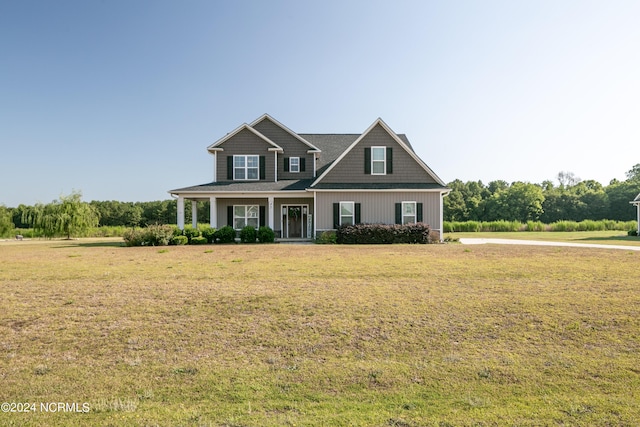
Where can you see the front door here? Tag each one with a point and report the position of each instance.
(294, 221)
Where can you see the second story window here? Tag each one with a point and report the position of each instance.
(378, 160)
(294, 164)
(246, 167)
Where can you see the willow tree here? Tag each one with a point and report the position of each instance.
(6, 223)
(68, 216)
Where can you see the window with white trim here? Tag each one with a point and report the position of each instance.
(409, 212)
(244, 215)
(246, 168)
(347, 213)
(294, 164)
(378, 160)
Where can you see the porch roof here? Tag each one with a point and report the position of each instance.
(380, 186)
(258, 186)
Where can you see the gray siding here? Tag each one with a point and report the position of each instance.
(245, 142)
(351, 167)
(222, 205)
(292, 148)
(377, 207)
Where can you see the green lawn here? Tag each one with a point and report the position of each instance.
(308, 335)
(598, 237)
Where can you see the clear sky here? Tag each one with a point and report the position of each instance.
(120, 98)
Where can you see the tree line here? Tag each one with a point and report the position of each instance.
(570, 199)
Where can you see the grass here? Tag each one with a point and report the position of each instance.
(367, 335)
(599, 237)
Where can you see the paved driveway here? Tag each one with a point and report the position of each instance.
(474, 241)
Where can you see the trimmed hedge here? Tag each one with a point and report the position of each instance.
(361, 234)
(209, 233)
(225, 234)
(179, 240)
(199, 240)
(248, 234)
(266, 235)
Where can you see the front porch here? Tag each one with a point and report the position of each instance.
(290, 216)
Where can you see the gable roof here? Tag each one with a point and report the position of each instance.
(395, 137)
(214, 146)
(286, 129)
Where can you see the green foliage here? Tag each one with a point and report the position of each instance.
(327, 237)
(198, 240)
(266, 235)
(511, 226)
(6, 223)
(248, 234)
(209, 233)
(632, 233)
(383, 234)
(190, 232)
(179, 240)
(225, 234)
(67, 216)
(153, 235)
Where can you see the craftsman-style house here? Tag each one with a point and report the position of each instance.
(301, 185)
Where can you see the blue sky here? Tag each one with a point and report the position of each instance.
(119, 99)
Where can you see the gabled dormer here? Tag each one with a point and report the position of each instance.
(298, 158)
(244, 155)
(378, 156)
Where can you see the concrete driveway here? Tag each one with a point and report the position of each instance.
(474, 241)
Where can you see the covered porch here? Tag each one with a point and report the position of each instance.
(289, 215)
(636, 203)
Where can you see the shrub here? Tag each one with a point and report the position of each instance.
(266, 235)
(225, 234)
(157, 235)
(383, 234)
(632, 233)
(179, 240)
(191, 232)
(176, 231)
(198, 240)
(153, 235)
(209, 233)
(133, 237)
(327, 237)
(248, 234)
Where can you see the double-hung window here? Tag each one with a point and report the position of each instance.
(409, 212)
(294, 164)
(378, 160)
(347, 213)
(246, 168)
(244, 215)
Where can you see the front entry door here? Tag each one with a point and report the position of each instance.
(294, 221)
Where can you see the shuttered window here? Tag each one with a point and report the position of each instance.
(408, 212)
(378, 160)
(246, 167)
(346, 213)
(244, 215)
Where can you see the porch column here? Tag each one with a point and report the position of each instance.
(638, 209)
(271, 219)
(194, 213)
(181, 212)
(213, 212)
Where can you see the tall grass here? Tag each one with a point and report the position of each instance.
(510, 226)
(104, 231)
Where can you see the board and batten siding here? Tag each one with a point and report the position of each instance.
(245, 143)
(377, 207)
(351, 168)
